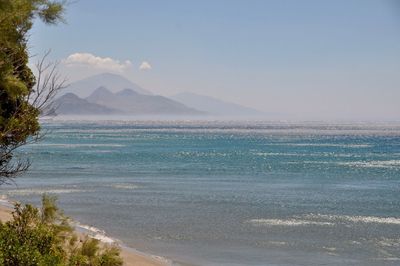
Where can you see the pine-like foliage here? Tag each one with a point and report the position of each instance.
(19, 115)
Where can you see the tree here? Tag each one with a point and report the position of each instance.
(22, 96)
(34, 237)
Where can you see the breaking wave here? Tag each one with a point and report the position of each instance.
(95, 233)
(288, 222)
(125, 186)
(373, 164)
(355, 219)
(324, 220)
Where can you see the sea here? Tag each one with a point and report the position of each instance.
(212, 192)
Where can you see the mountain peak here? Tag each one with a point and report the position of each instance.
(102, 90)
(113, 82)
(100, 94)
(126, 93)
(71, 104)
(69, 96)
(108, 74)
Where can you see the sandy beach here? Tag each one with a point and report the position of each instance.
(130, 257)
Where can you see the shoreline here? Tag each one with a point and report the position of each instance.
(130, 256)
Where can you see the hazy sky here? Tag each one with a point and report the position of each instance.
(315, 59)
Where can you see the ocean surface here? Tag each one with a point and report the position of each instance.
(227, 193)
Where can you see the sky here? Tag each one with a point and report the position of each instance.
(305, 59)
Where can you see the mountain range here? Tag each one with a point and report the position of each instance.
(84, 87)
(126, 102)
(132, 102)
(71, 104)
(111, 94)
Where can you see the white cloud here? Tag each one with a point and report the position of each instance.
(145, 66)
(90, 60)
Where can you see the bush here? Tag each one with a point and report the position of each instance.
(44, 237)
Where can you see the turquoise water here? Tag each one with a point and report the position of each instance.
(228, 193)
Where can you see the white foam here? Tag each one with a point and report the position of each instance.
(389, 242)
(278, 154)
(373, 164)
(355, 219)
(319, 154)
(322, 145)
(287, 222)
(277, 243)
(103, 238)
(95, 233)
(388, 259)
(125, 186)
(324, 220)
(331, 249)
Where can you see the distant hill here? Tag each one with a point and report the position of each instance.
(132, 102)
(110, 93)
(71, 104)
(113, 82)
(214, 106)
(100, 96)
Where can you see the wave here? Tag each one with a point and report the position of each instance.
(311, 154)
(125, 186)
(288, 222)
(324, 220)
(355, 219)
(389, 242)
(372, 164)
(95, 233)
(262, 154)
(101, 235)
(322, 145)
(203, 154)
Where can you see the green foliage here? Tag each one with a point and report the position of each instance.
(44, 238)
(33, 237)
(19, 116)
(110, 257)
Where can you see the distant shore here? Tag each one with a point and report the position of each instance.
(130, 256)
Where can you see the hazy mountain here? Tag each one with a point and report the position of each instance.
(100, 96)
(131, 102)
(113, 82)
(214, 106)
(71, 104)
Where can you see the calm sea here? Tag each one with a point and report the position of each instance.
(227, 193)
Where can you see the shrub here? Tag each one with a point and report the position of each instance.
(44, 237)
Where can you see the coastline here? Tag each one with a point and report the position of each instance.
(131, 256)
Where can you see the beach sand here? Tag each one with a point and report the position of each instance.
(5, 213)
(130, 257)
